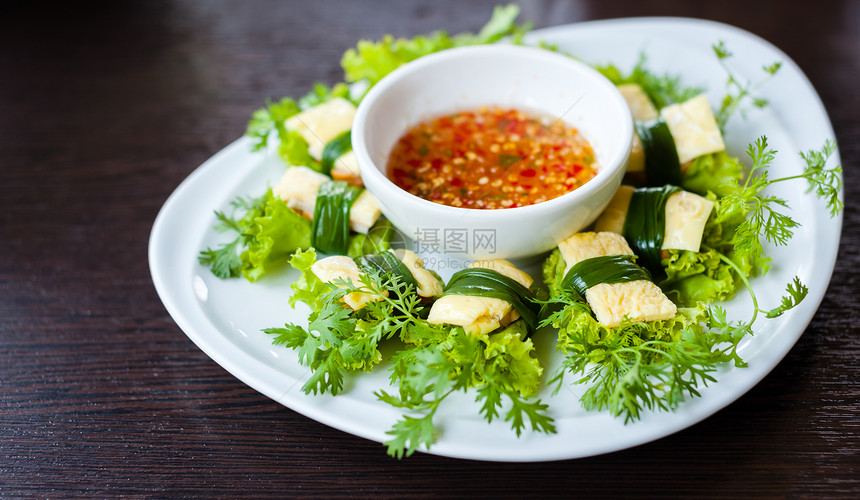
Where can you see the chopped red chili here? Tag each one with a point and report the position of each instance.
(486, 152)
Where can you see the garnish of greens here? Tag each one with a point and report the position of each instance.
(436, 360)
(626, 370)
(737, 91)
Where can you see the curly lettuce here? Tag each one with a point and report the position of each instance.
(272, 237)
(371, 61)
(267, 232)
(712, 173)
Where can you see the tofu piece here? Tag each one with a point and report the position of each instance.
(582, 246)
(479, 315)
(694, 128)
(364, 212)
(612, 303)
(613, 217)
(641, 108)
(636, 162)
(636, 300)
(428, 284)
(322, 123)
(336, 267)
(345, 166)
(640, 105)
(299, 186)
(686, 215)
(505, 267)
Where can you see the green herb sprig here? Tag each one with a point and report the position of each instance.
(737, 91)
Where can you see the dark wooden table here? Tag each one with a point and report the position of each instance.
(106, 107)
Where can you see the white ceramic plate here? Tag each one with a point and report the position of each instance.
(224, 318)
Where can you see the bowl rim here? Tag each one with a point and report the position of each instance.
(378, 179)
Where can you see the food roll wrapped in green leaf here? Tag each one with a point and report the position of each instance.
(335, 207)
(355, 305)
(490, 294)
(616, 290)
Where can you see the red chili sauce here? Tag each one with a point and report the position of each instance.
(491, 158)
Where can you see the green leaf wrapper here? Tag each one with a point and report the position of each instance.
(645, 225)
(605, 269)
(661, 157)
(335, 148)
(489, 283)
(330, 230)
(387, 264)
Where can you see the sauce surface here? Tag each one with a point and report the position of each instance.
(491, 158)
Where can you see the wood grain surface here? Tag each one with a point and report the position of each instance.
(105, 107)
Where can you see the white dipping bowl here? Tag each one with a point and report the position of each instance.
(507, 76)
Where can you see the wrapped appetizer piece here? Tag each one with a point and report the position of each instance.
(656, 220)
(680, 238)
(326, 129)
(621, 335)
(313, 131)
(355, 304)
(667, 140)
(305, 209)
(335, 207)
(476, 337)
(488, 295)
(600, 267)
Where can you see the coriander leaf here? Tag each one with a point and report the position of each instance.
(760, 213)
(795, 293)
(409, 434)
(721, 50)
(662, 89)
(639, 366)
(334, 322)
(291, 336)
(534, 411)
(227, 223)
(737, 92)
(491, 395)
(223, 261)
(827, 183)
(326, 375)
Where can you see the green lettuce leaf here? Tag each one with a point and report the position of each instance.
(371, 61)
(272, 237)
(268, 119)
(553, 271)
(694, 277)
(321, 94)
(511, 355)
(293, 149)
(308, 288)
(713, 172)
